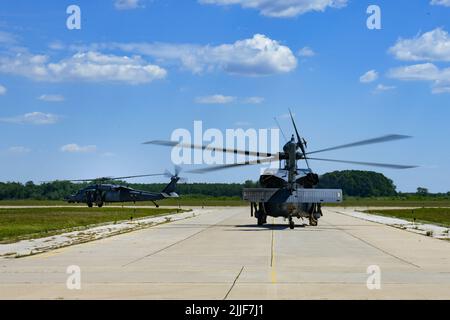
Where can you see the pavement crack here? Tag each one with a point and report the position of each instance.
(373, 246)
(234, 282)
(175, 243)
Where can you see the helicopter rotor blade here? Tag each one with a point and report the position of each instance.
(386, 138)
(212, 148)
(116, 178)
(234, 165)
(371, 164)
(138, 176)
(299, 139)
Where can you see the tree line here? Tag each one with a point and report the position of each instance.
(353, 183)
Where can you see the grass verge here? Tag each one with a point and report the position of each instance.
(438, 216)
(182, 201)
(19, 224)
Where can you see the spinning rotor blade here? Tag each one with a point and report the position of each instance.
(372, 164)
(169, 174)
(117, 178)
(234, 165)
(88, 180)
(212, 148)
(299, 139)
(390, 137)
(139, 176)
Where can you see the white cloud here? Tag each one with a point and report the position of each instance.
(253, 100)
(87, 66)
(421, 72)
(306, 52)
(7, 38)
(127, 4)
(222, 99)
(51, 98)
(382, 87)
(440, 78)
(445, 3)
(441, 88)
(281, 8)
(430, 46)
(215, 99)
(369, 76)
(256, 56)
(2, 90)
(108, 154)
(35, 118)
(75, 148)
(18, 150)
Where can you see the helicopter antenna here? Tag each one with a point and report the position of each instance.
(279, 127)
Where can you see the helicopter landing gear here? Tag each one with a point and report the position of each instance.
(260, 213)
(100, 204)
(313, 221)
(90, 204)
(291, 223)
(262, 218)
(315, 214)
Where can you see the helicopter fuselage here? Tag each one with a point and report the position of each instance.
(278, 198)
(100, 194)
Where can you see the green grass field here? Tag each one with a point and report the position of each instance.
(17, 224)
(392, 202)
(439, 216)
(182, 201)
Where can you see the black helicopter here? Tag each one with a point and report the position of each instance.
(101, 192)
(289, 191)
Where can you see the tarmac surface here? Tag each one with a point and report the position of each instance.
(222, 254)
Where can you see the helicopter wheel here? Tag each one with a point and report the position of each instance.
(313, 221)
(291, 223)
(260, 221)
(90, 204)
(100, 204)
(261, 218)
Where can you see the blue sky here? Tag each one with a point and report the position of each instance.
(79, 103)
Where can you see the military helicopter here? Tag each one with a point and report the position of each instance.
(101, 192)
(289, 191)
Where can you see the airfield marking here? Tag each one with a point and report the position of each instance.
(178, 242)
(373, 246)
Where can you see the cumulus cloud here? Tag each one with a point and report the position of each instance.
(75, 148)
(51, 98)
(253, 100)
(255, 56)
(35, 118)
(382, 87)
(7, 38)
(215, 99)
(18, 150)
(222, 99)
(445, 3)
(369, 76)
(127, 4)
(85, 66)
(2, 90)
(440, 78)
(430, 46)
(306, 52)
(281, 8)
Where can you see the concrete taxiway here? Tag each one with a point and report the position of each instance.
(221, 254)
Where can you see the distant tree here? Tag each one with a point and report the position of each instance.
(359, 183)
(422, 191)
